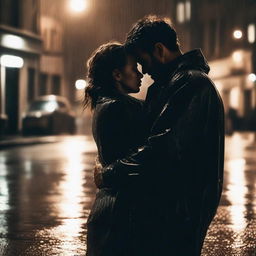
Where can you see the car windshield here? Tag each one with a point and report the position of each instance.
(43, 105)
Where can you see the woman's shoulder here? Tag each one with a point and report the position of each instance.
(107, 107)
(121, 102)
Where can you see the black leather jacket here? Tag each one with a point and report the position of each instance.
(118, 124)
(181, 163)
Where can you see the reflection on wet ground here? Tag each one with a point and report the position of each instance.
(46, 192)
(45, 198)
(233, 231)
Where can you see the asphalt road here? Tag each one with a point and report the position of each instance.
(46, 191)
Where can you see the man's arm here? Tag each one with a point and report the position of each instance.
(178, 129)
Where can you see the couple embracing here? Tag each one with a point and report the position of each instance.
(160, 169)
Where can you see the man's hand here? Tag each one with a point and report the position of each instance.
(98, 174)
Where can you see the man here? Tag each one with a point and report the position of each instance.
(180, 166)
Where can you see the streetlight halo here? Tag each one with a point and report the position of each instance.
(78, 5)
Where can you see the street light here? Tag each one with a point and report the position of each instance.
(238, 34)
(80, 84)
(78, 5)
(252, 77)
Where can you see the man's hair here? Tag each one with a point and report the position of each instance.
(149, 31)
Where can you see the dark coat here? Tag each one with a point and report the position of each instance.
(117, 128)
(181, 164)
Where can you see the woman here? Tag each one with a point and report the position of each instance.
(117, 128)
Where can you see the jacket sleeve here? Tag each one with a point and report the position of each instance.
(113, 133)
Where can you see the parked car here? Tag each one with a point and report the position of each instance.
(49, 114)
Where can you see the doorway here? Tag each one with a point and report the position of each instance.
(12, 99)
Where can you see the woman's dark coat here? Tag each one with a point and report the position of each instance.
(117, 129)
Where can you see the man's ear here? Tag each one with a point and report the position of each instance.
(116, 75)
(159, 52)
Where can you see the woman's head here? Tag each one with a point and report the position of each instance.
(110, 71)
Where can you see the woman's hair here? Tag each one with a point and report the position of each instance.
(101, 65)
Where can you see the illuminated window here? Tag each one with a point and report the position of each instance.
(180, 12)
(251, 33)
(188, 10)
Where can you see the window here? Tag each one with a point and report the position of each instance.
(56, 85)
(188, 10)
(31, 84)
(251, 33)
(43, 84)
(180, 12)
(183, 11)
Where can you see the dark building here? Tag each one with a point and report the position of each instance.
(31, 51)
(226, 32)
(20, 49)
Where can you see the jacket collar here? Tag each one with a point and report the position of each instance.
(194, 60)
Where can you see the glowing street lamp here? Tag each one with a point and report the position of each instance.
(78, 5)
(237, 34)
(252, 77)
(80, 84)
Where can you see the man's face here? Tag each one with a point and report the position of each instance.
(150, 64)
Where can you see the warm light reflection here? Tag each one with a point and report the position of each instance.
(236, 193)
(4, 195)
(71, 201)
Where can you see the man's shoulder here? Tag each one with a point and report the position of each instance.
(189, 75)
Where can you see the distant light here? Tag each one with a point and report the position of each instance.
(251, 33)
(78, 5)
(237, 56)
(52, 97)
(252, 77)
(38, 114)
(12, 41)
(11, 61)
(180, 12)
(234, 97)
(80, 84)
(188, 9)
(51, 106)
(238, 34)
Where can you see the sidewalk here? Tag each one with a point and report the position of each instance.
(13, 141)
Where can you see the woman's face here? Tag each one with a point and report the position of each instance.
(129, 77)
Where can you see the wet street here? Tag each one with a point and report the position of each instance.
(46, 191)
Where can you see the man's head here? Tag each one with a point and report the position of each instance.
(154, 42)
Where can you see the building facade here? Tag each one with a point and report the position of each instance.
(20, 50)
(226, 32)
(31, 51)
